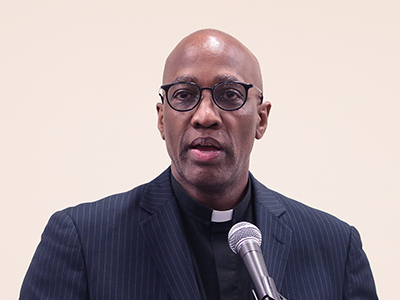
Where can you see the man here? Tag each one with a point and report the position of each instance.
(168, 239)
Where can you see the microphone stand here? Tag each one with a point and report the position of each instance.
(273, 293)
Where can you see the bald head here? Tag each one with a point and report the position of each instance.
(209, 46)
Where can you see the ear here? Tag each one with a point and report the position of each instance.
(263, 113)
(160, 123)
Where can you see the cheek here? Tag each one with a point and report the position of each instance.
(169, 129)
(170, 121)
(247, 124)
(245, 133)
(174, 129)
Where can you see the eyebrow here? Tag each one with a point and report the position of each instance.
(186, 78)
(217, 79)
(225, 77)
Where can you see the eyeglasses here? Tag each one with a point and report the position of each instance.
(228, 95)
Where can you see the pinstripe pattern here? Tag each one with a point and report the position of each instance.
(325, 261)
(132, 246)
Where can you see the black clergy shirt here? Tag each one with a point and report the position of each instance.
(220, 274)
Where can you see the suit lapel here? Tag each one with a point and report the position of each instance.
(163, 233)
(276, 235)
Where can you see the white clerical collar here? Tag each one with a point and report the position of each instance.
(219, 216)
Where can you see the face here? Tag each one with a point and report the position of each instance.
(210, 148)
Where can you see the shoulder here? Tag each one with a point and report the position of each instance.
(118, 207)
(111, 205)
(301, 218)
(316, 226)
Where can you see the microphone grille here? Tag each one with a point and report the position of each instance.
(241, 232)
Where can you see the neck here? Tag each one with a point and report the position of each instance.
(218, 197)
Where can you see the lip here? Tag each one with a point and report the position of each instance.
(205, 142)
(205, 149)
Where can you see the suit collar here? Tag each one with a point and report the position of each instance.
(267, 198)
(157, 193)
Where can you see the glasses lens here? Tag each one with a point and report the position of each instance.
(230, 95)
(183, 96)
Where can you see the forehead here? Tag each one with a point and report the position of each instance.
(209, 60)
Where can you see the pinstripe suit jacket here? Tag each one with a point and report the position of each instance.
(132, 246)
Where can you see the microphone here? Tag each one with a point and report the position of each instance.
(245, 240)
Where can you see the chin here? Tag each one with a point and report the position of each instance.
(208, 179)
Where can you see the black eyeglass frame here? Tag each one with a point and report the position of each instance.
(246, 86)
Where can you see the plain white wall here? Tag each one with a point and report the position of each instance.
(79, 83)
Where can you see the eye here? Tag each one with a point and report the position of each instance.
(183, 95)
(183, 92)
(231, 94)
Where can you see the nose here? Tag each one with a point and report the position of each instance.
(206, 114)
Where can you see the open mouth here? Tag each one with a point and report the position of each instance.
(205, 144)
(205, 149)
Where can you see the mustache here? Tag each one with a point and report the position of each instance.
(205, 142)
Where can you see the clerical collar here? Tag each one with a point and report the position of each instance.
(202, 213)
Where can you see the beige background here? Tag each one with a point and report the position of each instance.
(79, 83)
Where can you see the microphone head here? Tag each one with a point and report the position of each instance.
(242, 232)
